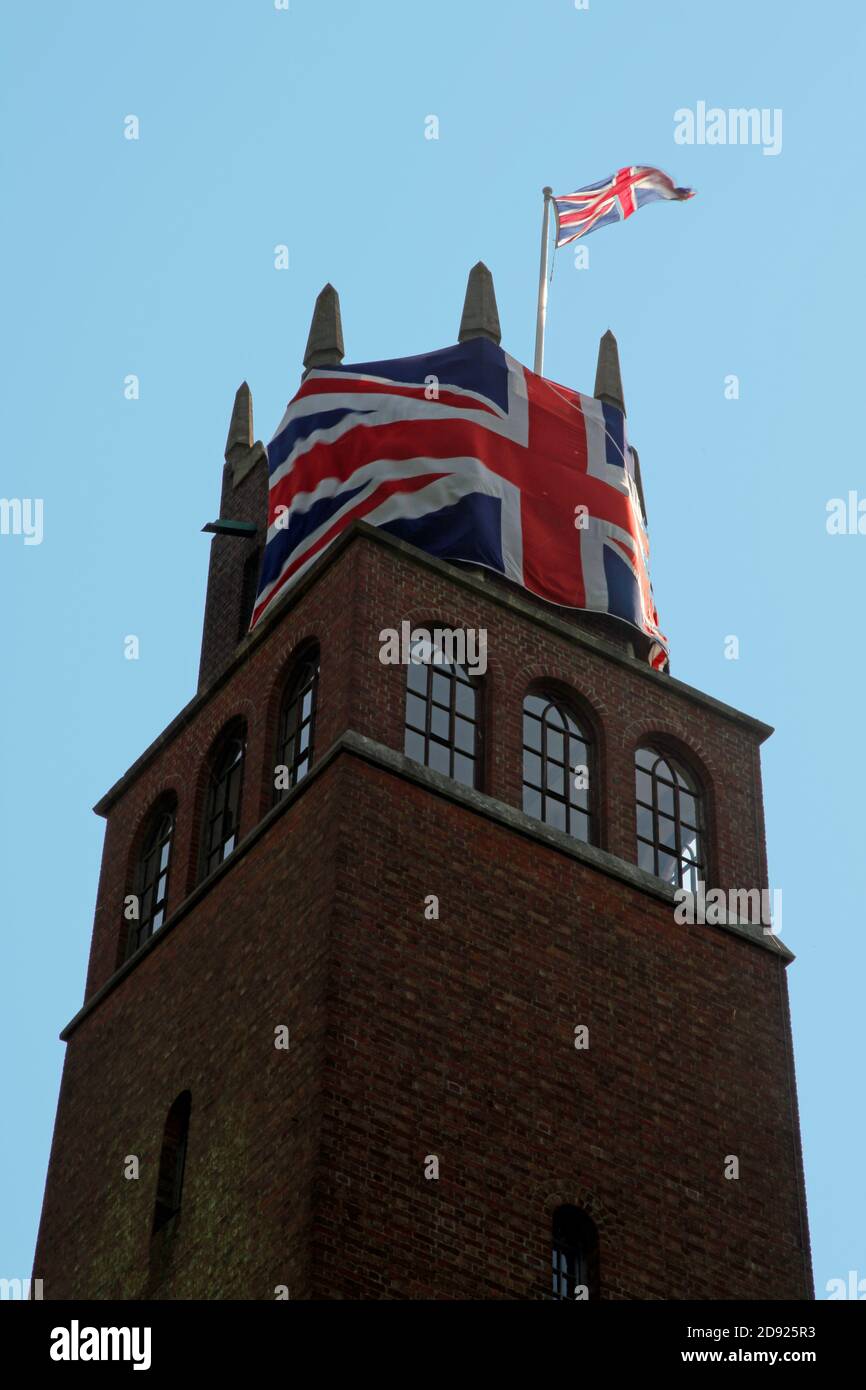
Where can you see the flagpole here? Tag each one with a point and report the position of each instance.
(542, 284)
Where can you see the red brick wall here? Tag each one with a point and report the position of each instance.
(248, 501)
(456, 1038)
(452, 1038)
(181, 764)
(628, 707)
(199, 1013)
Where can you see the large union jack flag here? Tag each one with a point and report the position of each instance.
(612, 200)
(469, 456)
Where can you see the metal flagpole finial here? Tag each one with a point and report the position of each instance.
(548, 194)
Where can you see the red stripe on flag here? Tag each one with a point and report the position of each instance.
(360, 509)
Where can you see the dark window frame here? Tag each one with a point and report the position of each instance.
(574, 1253)
(579, 806)
(441, 725)
(303, 681)
(223, 800)
(668, 800)
(151, 871)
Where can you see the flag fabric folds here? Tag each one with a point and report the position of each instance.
(612, 200)
(469, 456)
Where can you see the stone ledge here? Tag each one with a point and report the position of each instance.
(389, 760)
(523, 824)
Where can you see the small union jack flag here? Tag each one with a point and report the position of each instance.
(612, 200)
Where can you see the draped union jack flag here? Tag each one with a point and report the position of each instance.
(469, 456)
(612, 200)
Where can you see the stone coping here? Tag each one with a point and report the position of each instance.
(377, 754)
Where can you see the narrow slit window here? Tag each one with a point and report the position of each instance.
(172, 1162)
(249, 589)
(574, 1255)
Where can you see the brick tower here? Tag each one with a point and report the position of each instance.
(377, 1006)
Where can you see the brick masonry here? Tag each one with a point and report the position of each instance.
(233, 568)
(413, 1037)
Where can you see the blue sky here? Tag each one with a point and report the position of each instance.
(261, 127)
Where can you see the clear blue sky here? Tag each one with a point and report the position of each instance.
(156, 257)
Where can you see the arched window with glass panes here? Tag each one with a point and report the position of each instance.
(575, 1254)
(442, 714)
(296, 726)
(670, 820)
(558, 756)
(152, 874)
(223, 805)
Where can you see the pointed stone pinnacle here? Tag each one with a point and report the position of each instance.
(608, 381)
(480, 314)
(325, 343)
(240, 436)
(242, 453)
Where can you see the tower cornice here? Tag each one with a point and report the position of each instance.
(520, 603)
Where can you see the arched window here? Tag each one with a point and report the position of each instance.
(669, 820)
(441, 714)
(297, 725)
(152, 875)
(223, 809)
(557, 757)
(575, 1254)
(172, 1160)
